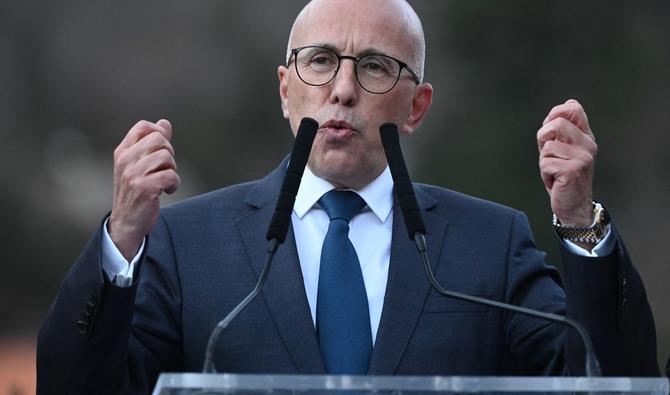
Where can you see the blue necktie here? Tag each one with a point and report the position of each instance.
(342, 315)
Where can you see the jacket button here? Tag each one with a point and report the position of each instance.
(83, 326)
(88, 312)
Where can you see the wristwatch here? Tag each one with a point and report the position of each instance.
(592, 234)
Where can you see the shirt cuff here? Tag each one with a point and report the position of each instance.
(115, 266)
(603, 248)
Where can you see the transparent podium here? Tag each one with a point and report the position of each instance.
(267, 384)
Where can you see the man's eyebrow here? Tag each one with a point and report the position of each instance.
(329, 46)
(371, 51)
(363, 52)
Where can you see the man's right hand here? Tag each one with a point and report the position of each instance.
(144, 168)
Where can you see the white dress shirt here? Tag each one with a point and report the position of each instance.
(370, 233)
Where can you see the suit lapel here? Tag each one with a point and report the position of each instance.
(407, 287)
(284, 291)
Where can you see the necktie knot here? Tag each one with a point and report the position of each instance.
(341, 204)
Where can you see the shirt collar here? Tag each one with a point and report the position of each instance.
(378, 194)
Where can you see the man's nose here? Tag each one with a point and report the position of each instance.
(345, 86)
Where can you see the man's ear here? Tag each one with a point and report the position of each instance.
(283, 74)
(421, 101)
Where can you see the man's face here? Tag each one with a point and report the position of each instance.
(347, 150)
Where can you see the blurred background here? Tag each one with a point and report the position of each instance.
(76, 75)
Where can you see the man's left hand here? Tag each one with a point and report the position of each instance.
(568, 151)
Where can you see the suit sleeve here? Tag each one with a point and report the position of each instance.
(536, 346)
(103, 339)
(607, 296)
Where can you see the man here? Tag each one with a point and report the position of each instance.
(134, 305)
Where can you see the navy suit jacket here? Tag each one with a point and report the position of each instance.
(205, 255)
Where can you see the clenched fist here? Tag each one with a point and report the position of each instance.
(568, 152)
(144, 168)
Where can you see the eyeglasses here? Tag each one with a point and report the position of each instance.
(375, 73)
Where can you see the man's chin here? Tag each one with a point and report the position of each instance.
(343, 171)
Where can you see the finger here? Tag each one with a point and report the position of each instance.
(547, 176)
(167, 128)
(567, 170)
(138, 177)
(560, 150)
(137, 132)
(547, 180)
(559, 129)
(556, 149)
(573, 111)
(550, 168)
(150, 143)
(153, 142)
(167, 181)
(155, 162)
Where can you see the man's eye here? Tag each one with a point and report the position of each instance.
(321, 60)
(373, 67)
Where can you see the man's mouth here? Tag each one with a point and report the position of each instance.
(337, 130)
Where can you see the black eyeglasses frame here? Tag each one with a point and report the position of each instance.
(403, 65)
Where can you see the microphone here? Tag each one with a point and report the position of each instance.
(277, 229)
(296, 166)
(401, 181)
(416, 230)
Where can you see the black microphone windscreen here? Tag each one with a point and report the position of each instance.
(388, 133)
(391, 142)
(302, 146)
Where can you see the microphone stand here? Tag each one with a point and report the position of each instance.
(209, 366)
(417, 230)
(592, 366)
(277, 229)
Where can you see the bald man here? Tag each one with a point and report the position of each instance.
(151, 284)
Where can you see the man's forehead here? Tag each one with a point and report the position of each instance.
(357, 37)
(386, 9)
